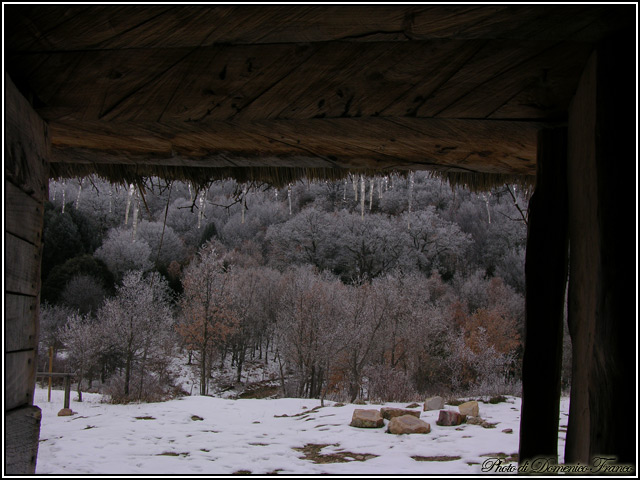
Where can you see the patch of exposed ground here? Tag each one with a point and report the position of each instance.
(174, 454)
(438, 458)
(312, 452)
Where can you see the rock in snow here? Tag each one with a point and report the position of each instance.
(449, 418)
(366, 419)
(475, 420)
(434, 403)
(407, 424)
(391, 412)
(470, 409)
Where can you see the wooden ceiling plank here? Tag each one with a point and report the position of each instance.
(39, 28)
(435, 68)
(372, 143)
(352, 86)
(544, 75)
(238, 77)
(254, 82)
(493, 59)
(39, 23)
(286, 89)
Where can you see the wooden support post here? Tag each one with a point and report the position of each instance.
(50, 370)
(67, 390)
(546, 277)
(602, 166)
(27, 150)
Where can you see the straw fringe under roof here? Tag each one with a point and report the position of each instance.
(277, 177)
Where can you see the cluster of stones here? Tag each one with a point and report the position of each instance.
(403, 421)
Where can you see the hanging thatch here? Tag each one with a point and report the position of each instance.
(276, 177)
(482, 182)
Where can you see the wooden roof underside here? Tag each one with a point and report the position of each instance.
(456, 88)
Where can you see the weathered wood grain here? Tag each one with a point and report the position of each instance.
(23, 214)
(470, 145)
(26, 145)
(22, 434)
(543, 85)
(20, 322)
(57, 27)
(22, 266)
(449, 78)
(20, 380)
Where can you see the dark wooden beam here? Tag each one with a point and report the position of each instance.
(77, 27)
(602, 214)
(472, 79)
(375, 143)
(545, 277)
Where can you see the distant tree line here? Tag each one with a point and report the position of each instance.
(413, 287)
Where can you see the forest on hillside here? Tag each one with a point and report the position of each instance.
(377, 288)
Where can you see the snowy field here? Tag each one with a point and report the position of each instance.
(205, 435)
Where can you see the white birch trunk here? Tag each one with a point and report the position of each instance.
(64, 195)
(371, 186)
(411, 182)
(78, 197)
(201, 205)
(126, 212)
(486, 201)
(289, 196)
(355, 188)
(362, 195)
(244, 203)
(136, 208)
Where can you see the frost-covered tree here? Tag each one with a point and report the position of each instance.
(133, 322)
(165, 245)
(52, 319)
(120, 254)
(304, 239)
(83, 343)
(433, 243)
(83, 293)
(207, 318)
(308, 330)
(363, 248)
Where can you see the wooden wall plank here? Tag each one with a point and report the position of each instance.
(26, 146)
(22, 434)
(22, 266)
(20, 379)
(20, 322)
(27, 150)
(23, 214)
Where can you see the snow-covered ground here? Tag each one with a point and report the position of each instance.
(206, 435)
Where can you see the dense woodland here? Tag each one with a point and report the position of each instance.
(384, 288)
